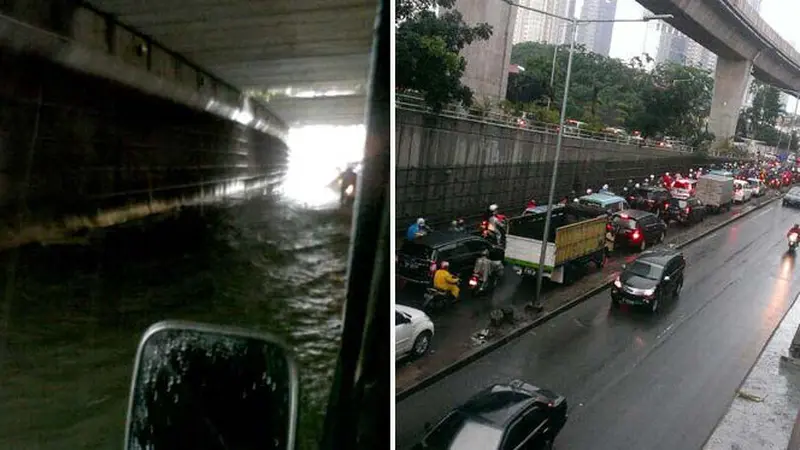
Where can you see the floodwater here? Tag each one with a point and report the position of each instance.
(73, 312)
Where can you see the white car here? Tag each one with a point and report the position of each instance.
(741, 191)
(758, 186)
(413, 331)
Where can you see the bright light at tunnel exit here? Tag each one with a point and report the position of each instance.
(317, 155)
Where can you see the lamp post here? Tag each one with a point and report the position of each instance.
(573, 32)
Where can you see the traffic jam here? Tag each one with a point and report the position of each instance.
(437, 267)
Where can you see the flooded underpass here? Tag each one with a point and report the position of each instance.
(73, 312)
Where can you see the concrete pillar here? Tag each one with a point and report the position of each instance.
(730, 84)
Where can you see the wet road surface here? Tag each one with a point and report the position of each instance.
(73, 314)
(635, 381)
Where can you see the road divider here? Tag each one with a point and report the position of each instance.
(492, 345)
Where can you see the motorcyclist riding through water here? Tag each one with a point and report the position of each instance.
(443, 280)
(347, 188)
(793, 236)
(417, 229)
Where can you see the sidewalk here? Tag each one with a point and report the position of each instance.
(763, 412)
(464, 328)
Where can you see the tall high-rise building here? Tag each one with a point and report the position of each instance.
(533, 26)
(677, 47)
(597, 36)
(530, 25)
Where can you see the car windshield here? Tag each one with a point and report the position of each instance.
(625, 222)
(416, 250)
(459, 432)
(645, 269)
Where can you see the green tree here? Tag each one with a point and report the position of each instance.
(763, 114)
(427, 47)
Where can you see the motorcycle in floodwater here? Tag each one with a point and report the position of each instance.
(793, 237)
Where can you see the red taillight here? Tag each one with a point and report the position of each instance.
(688, 210)
(636, 235)
(666, 205)
(473, 281)
(608, 227)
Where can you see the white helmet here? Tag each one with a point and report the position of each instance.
(652, 176)
(667, 174)
(493, 207)
(588, 192)
(605, 187)
(637, 186)
(420, 221)
(445, 264)
(575, 200)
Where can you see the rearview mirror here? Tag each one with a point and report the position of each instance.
(204, 386)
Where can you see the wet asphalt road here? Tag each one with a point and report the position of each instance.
(636, 381)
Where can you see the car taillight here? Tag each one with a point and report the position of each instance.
(636, 235)
(618, 283)
(688, 210)
(473, 281)
(609, 227)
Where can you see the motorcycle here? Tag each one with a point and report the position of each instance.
(436, 299)
(793, 241)
(349, 195)
(478, 286)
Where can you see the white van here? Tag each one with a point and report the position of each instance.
(741, 191)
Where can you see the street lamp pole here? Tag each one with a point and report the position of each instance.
(559, 140)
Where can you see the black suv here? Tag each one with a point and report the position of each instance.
(649, 198)
(654, 277)
(685, 211)
(509, 416)
(636, 229)
(417, 260)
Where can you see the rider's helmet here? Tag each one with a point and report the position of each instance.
(637, 186)
(493, 207)
(605, 187)
(445, 265)
(420, 221)
(667, 174)
(588, 192)
(460, 222)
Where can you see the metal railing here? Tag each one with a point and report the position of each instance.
(416, 103)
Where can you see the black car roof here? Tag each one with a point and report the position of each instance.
(440, 238)
(500, 404)
(633, 213)
(659, 256)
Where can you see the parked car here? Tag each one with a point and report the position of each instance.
(685, 211)
(413, 331)
(742, 191)
(417, 260)
(656, 276)
(637, 229)
(516, 415)
(792, 198)
(649, 198)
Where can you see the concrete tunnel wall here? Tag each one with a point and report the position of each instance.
(72, 143)
(449, 168)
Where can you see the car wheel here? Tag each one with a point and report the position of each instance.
(654, 305)
(643, 245)
(422, 344)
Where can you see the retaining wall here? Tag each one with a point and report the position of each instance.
(449, 168)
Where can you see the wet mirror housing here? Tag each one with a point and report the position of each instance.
(210, 387)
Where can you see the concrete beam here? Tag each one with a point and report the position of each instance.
(85, 40)
(730, 85)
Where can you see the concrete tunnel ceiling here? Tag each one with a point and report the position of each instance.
(288, 48)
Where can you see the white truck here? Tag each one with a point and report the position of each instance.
(576, 240)
(715, 191)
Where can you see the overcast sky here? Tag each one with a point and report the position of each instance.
(627, 39)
